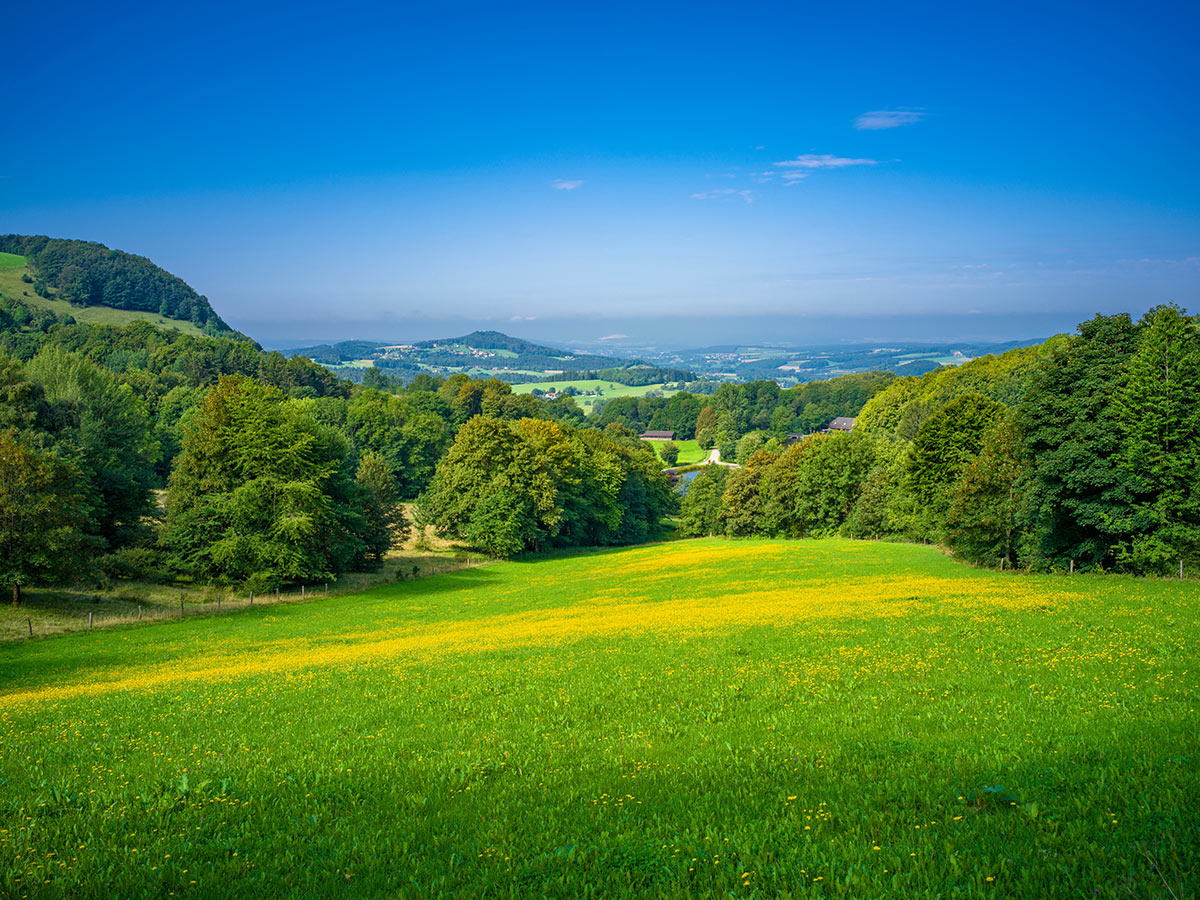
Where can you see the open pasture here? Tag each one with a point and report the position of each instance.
(703, 718)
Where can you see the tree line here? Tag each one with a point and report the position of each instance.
(1081, 453)
(134, 452)
(740, 418)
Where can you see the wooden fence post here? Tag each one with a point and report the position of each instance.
(181, 607)
(29, 622)
(218, 602)
(1072, 567)
(90, 620)
(301, 592)
(1181, 570)
(139, 612)
(252, 598)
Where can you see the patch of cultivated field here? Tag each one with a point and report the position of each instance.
(705, 718)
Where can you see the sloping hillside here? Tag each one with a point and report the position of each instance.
(83, 275)
(12, 287)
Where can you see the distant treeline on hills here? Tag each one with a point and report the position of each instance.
(521, 357)
(86, 273)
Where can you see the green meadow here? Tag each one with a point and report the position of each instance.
(693, 719)
(608, 389)
(689, 451)
(12, 267)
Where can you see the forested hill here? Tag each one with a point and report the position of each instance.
(85, 273)
(490, 354)
(534, 355)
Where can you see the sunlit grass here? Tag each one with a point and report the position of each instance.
(12, 287)
(705, 718)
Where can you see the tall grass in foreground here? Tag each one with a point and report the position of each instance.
(706, 718)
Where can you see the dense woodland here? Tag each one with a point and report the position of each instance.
(85, 273)
(133, 452)
(137, 452)
(1082, 453)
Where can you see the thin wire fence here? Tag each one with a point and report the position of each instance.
(83, 610)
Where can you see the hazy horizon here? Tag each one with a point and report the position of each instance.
(621, 336)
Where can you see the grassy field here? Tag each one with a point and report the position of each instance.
(607, 389)
(705, 718)
(689, 451)
(13, 287)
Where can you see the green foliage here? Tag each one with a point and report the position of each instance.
(261, 488)
(743, 408)
(669, 452)
(811, 488)
(410, 439)
(41, 506)
(902, 408)
(1080, 494)
(105, 430)
(742, 514)
(505, 487)
(22, 401)
(381, 504)
(135, 564)
(987, 502)
(1158, 417)
(706, 428)
(700, 513)
(946, 442)
(747, 445)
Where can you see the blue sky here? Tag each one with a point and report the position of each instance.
(845, 171)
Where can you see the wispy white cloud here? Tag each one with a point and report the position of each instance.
(564, 184)
(522, 318)
(805, 165)
(824, 161)
(879, 119)
(725, 194)
(614, 337)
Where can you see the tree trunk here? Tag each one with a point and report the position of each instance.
(16, 594)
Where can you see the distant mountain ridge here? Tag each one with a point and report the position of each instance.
(87, 273)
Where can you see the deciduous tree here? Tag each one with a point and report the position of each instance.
(41, 505)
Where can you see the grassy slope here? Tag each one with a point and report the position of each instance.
(708, 718)
(608, 389)
(12, 287)
(689, 451)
